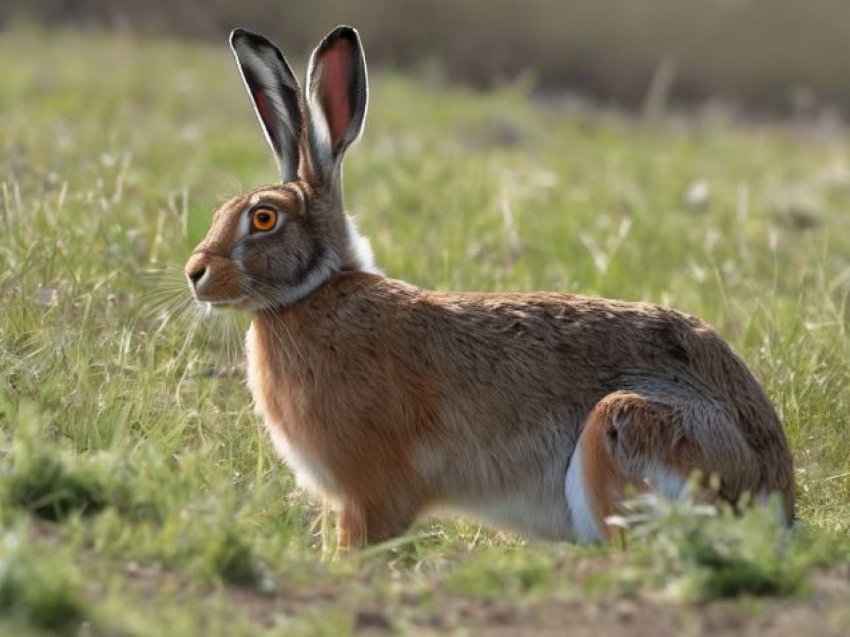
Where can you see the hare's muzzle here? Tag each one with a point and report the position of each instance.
(212, 279)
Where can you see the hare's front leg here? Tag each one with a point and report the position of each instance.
(362, 523)
(350, 529)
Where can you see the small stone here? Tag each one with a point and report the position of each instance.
(46, 296)
(698, 195)
(374, 620)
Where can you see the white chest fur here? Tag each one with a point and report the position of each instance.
(310, 472)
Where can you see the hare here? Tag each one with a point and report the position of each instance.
(533, 412)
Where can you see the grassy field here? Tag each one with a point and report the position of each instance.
(138, 492)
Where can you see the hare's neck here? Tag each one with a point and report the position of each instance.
(297, 339)
(277, 366)
(356, 256)
(280, 343)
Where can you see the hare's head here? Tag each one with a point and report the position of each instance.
(274, 245)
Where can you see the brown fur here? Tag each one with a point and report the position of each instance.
(606, 483)
(316, 397)
(390, 400)
(497, 389)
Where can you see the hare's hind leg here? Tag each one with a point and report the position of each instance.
(596, 478)
(650, 442)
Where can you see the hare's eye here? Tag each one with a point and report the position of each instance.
(263, 219)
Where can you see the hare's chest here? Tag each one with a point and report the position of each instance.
(283, 414)
(311, 473)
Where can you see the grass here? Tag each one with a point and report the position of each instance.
(139, 493)
(39, 590)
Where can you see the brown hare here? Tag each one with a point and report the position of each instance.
(534, 412)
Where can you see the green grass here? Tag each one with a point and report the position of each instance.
(39, 590)
(139, 493)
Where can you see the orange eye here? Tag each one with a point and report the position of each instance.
(263, 219)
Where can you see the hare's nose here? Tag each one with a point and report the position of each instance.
(196, 270)
(197, 274)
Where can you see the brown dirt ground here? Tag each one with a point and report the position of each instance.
(823, 612)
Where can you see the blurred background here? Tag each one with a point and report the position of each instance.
(778, 57)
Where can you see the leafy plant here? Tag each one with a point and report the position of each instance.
(696, 552)
(39, 587)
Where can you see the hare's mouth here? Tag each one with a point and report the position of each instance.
(238, 303)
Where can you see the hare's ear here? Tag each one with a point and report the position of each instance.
(337, 94)
(274, 92)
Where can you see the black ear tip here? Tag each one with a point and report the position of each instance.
(237, 34)
(343, 31)
(244, 36)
